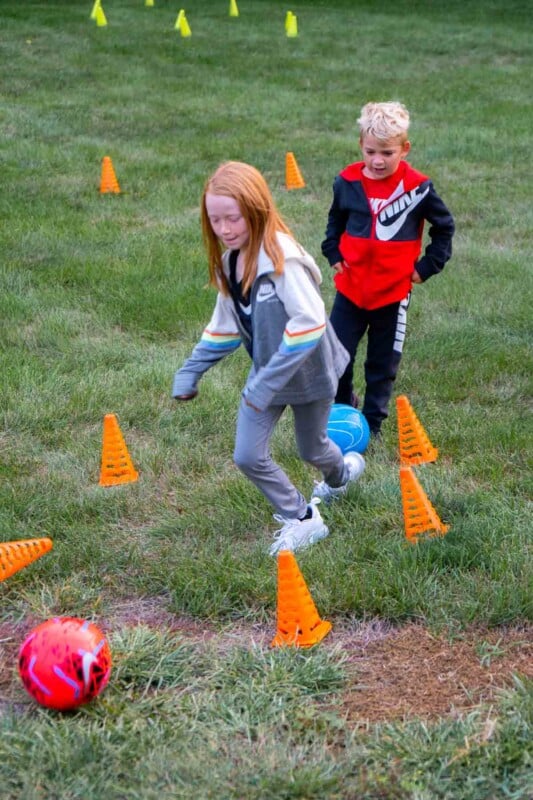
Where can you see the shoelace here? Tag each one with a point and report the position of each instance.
(286, 525)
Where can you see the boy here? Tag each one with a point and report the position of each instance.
(373, 243)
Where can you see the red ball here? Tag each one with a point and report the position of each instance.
(65, 662)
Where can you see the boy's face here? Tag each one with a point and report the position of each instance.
(382, 157)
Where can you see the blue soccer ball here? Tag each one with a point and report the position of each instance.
(348, 428)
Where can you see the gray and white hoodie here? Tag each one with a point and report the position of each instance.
(296, 356)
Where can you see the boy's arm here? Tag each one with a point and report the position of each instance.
(337, 219)
(442, 228)
(219, 339)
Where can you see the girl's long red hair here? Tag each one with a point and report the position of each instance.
(247, 186)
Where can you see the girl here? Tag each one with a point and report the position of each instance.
(268, 299)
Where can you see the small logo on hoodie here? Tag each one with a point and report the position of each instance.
(266, 290)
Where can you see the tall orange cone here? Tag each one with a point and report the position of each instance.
(16, 555)
(419, 515)
(116, 466)
(298, 623)
(108, 180)
(293, 176)
(415, 446)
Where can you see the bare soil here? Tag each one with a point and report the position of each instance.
(394, 672)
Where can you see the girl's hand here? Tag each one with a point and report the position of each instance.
(415, 277)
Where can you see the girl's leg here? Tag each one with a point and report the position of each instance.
(349, 323)
(253, 457)
(314, 445)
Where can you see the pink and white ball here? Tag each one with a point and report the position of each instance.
(65, 662)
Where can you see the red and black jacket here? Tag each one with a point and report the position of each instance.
(381, 241)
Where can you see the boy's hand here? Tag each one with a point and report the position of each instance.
(415, 277)
(339, 267)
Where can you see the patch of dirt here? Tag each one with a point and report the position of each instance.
(395, 673)
(407, 672)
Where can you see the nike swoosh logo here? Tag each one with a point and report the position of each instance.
(264, 293)
(387, 232)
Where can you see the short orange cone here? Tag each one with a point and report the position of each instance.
(17, 555)
(108, 180)
(419, 515)
(298, 623)
(415, 446)
(293, 176)
(117, 466)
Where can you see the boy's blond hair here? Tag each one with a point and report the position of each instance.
(384, 121)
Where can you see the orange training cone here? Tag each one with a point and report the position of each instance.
(117, 466)
(298, 623)
(16, 555)
(415, 447)
(108, 180)
(293, 176)
(419, 515)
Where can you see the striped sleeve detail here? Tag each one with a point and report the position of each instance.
(220, 341)
(302, 340)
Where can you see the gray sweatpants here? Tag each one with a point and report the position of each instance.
(253, 457)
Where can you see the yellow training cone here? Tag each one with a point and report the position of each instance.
(95, 7)
(233, 10)
(292, 27)
(101, 20)
(184, 27)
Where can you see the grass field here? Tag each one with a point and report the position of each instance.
(423, 689)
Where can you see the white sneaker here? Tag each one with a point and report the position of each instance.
(355, 464)
(295, 534)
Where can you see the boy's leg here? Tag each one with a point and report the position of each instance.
(253, 457)
(349, 323)
(386, 334)
(314, 445)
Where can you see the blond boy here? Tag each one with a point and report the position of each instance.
(373, 242)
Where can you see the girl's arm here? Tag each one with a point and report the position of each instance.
(220, 338)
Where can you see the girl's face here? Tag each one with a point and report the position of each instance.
(382, 158)
(227, 221)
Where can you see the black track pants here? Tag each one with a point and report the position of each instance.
(385, 328)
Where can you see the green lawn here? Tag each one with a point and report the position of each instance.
(103, 296)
